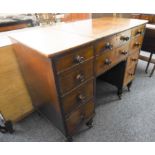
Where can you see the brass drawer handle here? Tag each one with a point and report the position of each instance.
(139, 32)
(81, 98)
(80, 77)
(131, 74)
(124, 38)
(124, 52)
(137, 44)
(108, 46)
(79, 59)
(107, 61)
(134, 59)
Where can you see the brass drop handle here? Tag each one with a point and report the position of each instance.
(124, 52)
(80, 77)
(108, 46)
(124, 38)
(137, 44)
(107, 61)
(82, 98)
(79, 59)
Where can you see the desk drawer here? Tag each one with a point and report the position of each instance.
(138, 31)
(123, 38)
(72, 78)
(122, 52)
(104, 62)
(80, 116)
(78, 97)
(74, 58)
(105, 44)
(136, 44)
(133, 59)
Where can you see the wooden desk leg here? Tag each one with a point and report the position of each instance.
(129, 85)
(119, 93)
(148, 62)
(152, 71)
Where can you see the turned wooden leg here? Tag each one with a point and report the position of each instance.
(129, 85)
(69, 139)
(119, 93)
(148, 63)
(152, 71)
(9, 126)
(90, 123)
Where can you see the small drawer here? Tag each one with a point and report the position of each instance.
(104, 62)
(105, 44)
(79, 117)
(73, 77)
(133, 59)
(73, 58)
(123, 37)
(78, 97)
(136, 44)
(129, 74)
(122, 52)
(138, 31)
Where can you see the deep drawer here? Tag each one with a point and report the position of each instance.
(78, 97)
(80, 116)
(72, 78)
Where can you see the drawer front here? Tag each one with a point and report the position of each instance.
(133, 59)
(123, 37)
(130, 68)
(129, 74)
(105, 44)
(72, 78)
(74, 58)
(122, 52)
(104, 62)
(78, 97)
(138, 31)
(136, 44)
(80, 116)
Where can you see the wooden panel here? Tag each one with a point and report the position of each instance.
(73, 77)
(74, 58)
(78, 97)
(15, 102)
(78, 117)
(38, 74)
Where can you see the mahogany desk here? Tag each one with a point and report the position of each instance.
(60, 64)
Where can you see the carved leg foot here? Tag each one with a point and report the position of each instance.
(129, 86)
(9, 127)
(69, 139)
(90, 123)
(119, 93)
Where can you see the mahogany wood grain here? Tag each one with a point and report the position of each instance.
(75, 76)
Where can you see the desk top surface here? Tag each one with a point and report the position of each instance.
(51, 40)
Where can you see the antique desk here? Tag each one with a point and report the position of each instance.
(60, 65)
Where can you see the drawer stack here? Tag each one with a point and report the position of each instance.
(111, 50)
(134, 49)
(75, 74)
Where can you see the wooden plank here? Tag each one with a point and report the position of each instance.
(15, 102)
